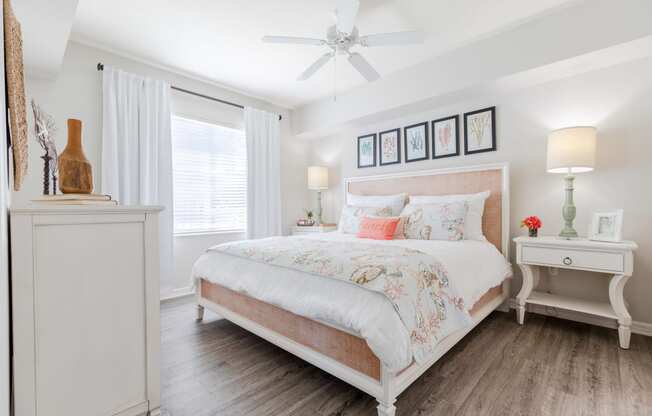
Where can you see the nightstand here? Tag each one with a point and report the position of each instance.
(616, 259)
(303, 230)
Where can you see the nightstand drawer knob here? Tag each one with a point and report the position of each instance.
(567, 261)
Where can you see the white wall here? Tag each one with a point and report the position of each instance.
(617, 100)
(76, 93)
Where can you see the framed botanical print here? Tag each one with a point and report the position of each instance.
(445, 140)
(480, 131)
(416, 142)
(390, 147)
(367, 151)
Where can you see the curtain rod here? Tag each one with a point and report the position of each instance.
(100, 67)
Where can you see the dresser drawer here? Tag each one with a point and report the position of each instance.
(574, 259)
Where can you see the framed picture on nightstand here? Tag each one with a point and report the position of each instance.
(607, 226)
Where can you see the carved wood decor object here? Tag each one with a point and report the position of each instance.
(75, 171)
(15, 93)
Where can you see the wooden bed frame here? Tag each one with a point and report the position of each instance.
(341, 352)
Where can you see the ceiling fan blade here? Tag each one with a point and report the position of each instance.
(364, 67)
(396, 38)
(315, 66)
(346, 11)
(293, 40)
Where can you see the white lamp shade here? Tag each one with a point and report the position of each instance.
(317, 178)
(572, 150)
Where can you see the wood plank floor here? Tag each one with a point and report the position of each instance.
(547, 367)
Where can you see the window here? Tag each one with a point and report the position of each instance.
(210, 177)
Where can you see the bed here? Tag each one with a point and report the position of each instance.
(350, 332)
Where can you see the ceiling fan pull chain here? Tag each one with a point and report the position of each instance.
(335, 77)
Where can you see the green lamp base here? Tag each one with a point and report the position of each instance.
(568, 233)
(568, 210)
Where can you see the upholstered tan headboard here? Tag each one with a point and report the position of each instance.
(467, 180)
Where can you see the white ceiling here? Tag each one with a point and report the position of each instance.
(220, 40)
(45, 26)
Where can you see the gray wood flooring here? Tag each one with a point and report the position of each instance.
(547, 367)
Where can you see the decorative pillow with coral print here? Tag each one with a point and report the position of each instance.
(443, 221)
(352, 216)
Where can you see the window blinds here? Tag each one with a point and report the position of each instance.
(210, 177)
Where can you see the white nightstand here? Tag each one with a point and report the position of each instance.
(303, 230)
(616, 259)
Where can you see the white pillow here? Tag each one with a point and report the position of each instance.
(442, 221)
(352, 217)
(473, 220)
(394, 202)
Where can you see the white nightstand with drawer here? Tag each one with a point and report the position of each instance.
(616, 259)
(316, 229)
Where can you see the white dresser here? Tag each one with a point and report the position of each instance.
(85, 293)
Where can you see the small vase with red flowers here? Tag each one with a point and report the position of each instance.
(533, 224)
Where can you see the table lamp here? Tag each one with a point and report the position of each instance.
(571, 150)
(318, 181)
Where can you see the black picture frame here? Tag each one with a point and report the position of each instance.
(433, 135)
(426, 142)
(493, 131)
(366, 136)
(398, 147)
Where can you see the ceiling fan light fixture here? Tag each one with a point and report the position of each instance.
(342, 36)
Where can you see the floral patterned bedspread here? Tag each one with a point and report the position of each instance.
(416, 283)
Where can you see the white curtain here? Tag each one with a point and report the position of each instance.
(263, 132)
(137, 149)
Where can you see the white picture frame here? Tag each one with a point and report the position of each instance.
(607, 226)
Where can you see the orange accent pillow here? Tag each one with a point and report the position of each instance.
(378, 228)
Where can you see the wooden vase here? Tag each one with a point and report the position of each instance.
(75, 171)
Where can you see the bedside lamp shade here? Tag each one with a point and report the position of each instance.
(317, 178)
(572, 150)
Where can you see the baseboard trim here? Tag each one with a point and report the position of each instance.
(181, 292)
(638, 327)
(642, 328)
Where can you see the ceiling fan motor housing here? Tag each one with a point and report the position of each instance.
(341, 42)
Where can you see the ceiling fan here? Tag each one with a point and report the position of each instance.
(343, 36)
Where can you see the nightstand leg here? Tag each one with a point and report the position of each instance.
(616, 287)
(526, 290)
(520, 314)
(624, 334)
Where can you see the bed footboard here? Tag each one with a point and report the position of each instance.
(339, 353)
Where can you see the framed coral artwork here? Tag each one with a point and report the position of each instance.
(445, 138)
(480, 131)
(390, 147)
(367, 151)
(416, 142)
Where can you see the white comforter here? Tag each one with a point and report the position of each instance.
(474, 266)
